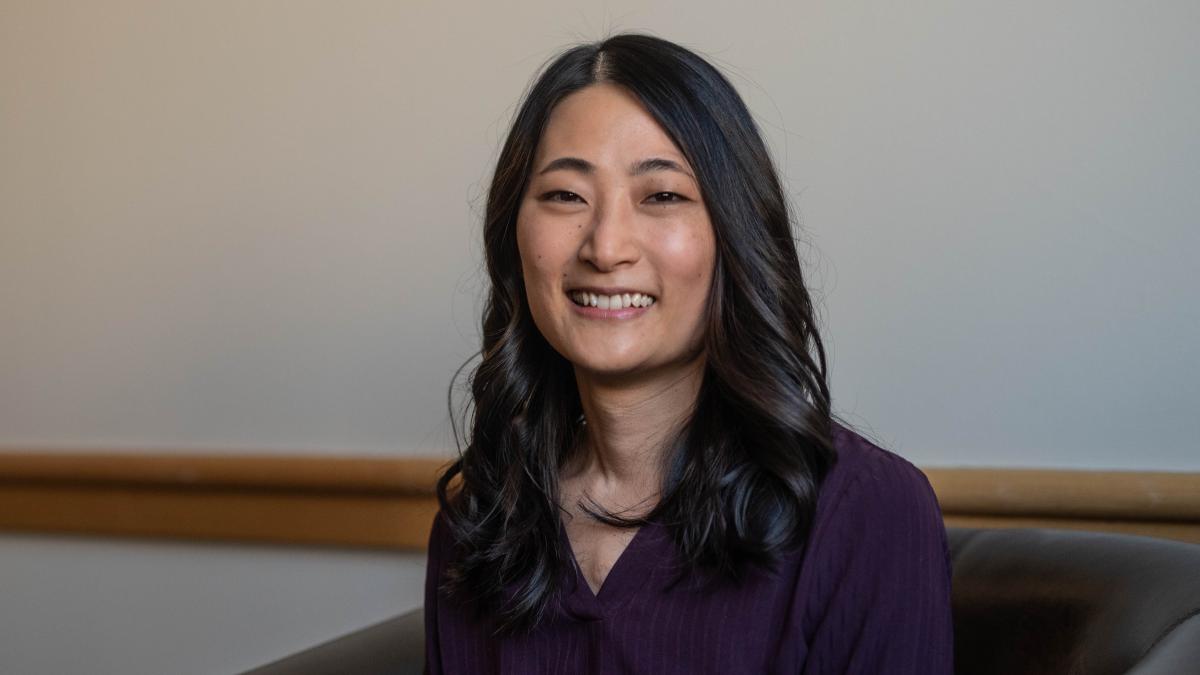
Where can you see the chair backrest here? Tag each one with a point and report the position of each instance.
(1036, 601)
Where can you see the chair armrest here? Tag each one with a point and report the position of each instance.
(1176, 652)
(395, 646)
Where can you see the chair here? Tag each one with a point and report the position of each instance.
(1026, 601)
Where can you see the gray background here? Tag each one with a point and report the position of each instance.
(253, 227)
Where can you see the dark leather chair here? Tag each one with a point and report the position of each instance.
(1026, 601)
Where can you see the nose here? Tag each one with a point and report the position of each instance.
(612, 239)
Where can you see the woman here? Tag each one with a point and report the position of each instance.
(654, 482)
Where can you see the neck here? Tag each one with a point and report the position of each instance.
(628, 425)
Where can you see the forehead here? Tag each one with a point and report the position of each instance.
(604, 121)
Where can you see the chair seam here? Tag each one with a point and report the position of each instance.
(1167, 631)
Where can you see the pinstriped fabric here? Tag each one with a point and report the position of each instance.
(869, 594)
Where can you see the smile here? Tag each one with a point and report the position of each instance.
(623, 301)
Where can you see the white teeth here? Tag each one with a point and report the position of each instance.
(611, 301)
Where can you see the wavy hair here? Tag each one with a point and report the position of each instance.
(741, 475)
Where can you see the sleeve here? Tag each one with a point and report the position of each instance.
(887, 573)
(433, 574)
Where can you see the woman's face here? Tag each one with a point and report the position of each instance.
(613, 209)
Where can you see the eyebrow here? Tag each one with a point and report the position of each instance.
(636, 169)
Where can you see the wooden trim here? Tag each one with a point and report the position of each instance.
(389, 502)
(1189, 532)
(1117, 495)
(393, 521)
(1154, 504)
(406, 475)
(283, 499)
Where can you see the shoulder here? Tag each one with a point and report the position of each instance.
(878, 542)
(874, 591)
(873, 488)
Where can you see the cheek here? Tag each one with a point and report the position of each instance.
(541, 257)
(691, 256)
(700, 275)
(691, 263)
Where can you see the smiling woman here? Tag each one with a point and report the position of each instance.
(653, 480)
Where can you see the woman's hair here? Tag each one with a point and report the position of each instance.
(741, 475)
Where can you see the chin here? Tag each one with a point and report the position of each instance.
(611, 366)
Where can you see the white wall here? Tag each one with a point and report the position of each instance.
(254, 226)
(80, 605)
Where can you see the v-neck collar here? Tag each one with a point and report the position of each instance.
(627, 577)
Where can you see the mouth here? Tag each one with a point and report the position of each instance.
(585, 298)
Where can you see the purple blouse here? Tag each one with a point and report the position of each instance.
(870, 593)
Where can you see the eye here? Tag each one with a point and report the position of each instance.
(566, 197)
(666, 198)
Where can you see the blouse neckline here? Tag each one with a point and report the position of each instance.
(626, 579)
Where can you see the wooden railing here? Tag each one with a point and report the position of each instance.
(389, 502)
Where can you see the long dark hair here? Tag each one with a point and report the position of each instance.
(741, 476)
